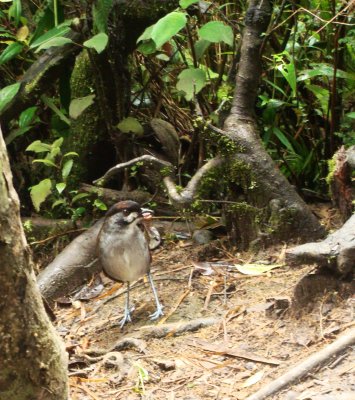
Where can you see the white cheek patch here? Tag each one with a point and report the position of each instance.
(130, 217)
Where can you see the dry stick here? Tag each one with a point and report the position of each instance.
(304, 367)
(180, 300)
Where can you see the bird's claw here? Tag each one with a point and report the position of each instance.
(158, 313)
(126, 317)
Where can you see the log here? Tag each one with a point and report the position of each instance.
(336, 252)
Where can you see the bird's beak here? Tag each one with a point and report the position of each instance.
(146, 213)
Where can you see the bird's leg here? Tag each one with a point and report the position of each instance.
(159, 310)
(127, 311)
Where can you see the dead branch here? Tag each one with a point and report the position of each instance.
(181, 197)
(304, 367)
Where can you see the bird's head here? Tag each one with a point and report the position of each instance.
(128, 211)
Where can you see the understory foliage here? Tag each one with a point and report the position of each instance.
(183, 67)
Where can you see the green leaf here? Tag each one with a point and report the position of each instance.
(187, 3)
(15, 11)
(147, 34)
(79, 105)
(200, 47)
(40, 192)
(147, 47)
(7, 93)
(10, 52)
(167, 27)
(289, 73)
(191, 81)
(79, 196)
(322, 95)
(131, 125)
(39, 147)
(97, 42)
(15, 133)
(100, 12)
(99, 204)
(50, 103)
(60, 187)
(71, 153)
(216, 31)
(27, 116)
(283, 139)
(58, 143)
(45, 161)
(67, 168)
(324, 69)
(54, 42)
(58, 203)
(350, 115)
(58, 31)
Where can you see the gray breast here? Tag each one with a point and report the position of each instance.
(124, 253)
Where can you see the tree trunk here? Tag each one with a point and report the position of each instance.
(271, 210)
(32, 358)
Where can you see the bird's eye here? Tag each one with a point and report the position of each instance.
(125, 212)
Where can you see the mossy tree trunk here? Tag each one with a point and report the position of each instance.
(33, 361)
(270, 209)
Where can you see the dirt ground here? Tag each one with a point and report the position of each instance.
(225, 334)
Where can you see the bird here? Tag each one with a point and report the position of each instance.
(123, 249)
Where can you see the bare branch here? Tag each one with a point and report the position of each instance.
(184, 196)
(113, 171)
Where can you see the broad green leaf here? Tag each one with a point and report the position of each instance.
(350, 115)
(27, 116)
(39, 147)
(100, 12)
(54, 42)
(40, 192)
(146, 35)
(167, 27)
(216, 31)
(10, 52)
(60, 187)
(191, 81)
(324, 69)
(322, 95)
(79, 105)
(7, 93)
(256, 269)
(131, 125)
(58, 31)
(45, 161)
(79, 196)
(67, 168)
(147, 47)
(58, 143)
(200, 47)
(187, 3)
(15, 133)
(97, 42)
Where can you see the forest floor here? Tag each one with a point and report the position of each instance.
(225, 334)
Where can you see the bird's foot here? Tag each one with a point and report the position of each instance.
(158, 313)
(126, 317)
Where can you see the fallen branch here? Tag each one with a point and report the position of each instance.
(306, 366)
(175, 329)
